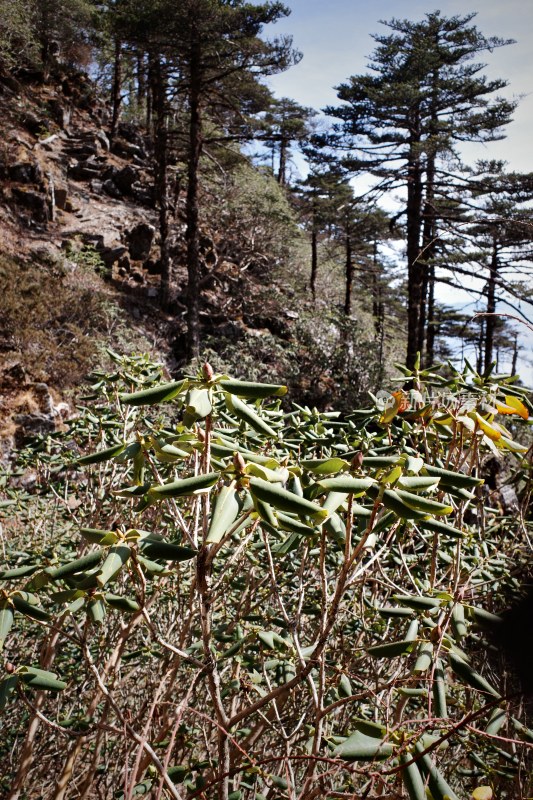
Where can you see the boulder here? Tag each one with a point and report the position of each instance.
(140, 239)
(142, 194)
(35, 202)
(60, 197)
(125, 178)
(60, 113)
(103, 140)
(152, 266)
(110, 188)
(33, 123)
(25, 172)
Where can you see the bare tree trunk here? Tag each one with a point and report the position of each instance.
(116, 88)
(191, 210)
(161, 182)
(415, 270)
(349, 277)
(282, 171)
(490, 321)
(314, 260)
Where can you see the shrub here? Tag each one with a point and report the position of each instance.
(238, 601)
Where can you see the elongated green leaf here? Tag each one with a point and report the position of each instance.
(122, 603)
(346, 484)
(439, 691)
(41, 679)
(168, 551)
(253, 391)
(130, 452)
(345, 687)
(440, 789)
(283, 500)
(197, 406)
(245, 413)
(393, 501)
(326, 466)
(423, 504)
(390, 649)
(96, 611)
(131, 491)
(367, 742)
(413, 601)
(225, 512)
(117, 556)
(78, 565)
(157, 394)
(266, 474)
(293, 524)
(412, 779)
(450, 478)
(95, 536)
(273, 640)
(417, 483)
(102, 455)
(6, 621)
(470, 676)
(8, 687)
(441, 527)
(185, 486)
(30, 610)
(18, 572)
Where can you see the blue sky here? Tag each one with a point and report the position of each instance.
(335, 38)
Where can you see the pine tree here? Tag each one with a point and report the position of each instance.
(423, 96)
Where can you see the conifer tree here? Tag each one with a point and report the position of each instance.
(423, 96)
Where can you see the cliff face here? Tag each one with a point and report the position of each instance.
(62, 180)
(78, 246)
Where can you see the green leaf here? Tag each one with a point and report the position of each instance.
(95, 536)
(41, 679)
(29, 609)
(346, 484)
(96, 611)
(389, 649)
(8, 687)
(117, 556)
(441, 527)
(425, 657)
(157, 394)
(423, 504)
(245, 413)
(78, 565)
(253, 391)
(102, 455)
(470, 676)
(413, 601)
(283, 500)
(440, 790)
(18, 572)
(168, 551)
(367, 742)
(273, 640)
(412, 779)
(6, 621)
(225, 512)
(122, 603)
(345, 687)
(197, 406)
(185, 486)
(325, 466)
(450, 478)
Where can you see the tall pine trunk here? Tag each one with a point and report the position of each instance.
(349, 277)
(314, 260)
(191, 209)
(415, 270)
(116, 89)
(490, 321)
(159, 94)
